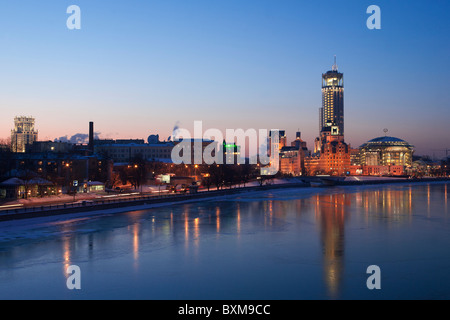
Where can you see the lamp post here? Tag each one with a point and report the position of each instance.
(72, 184)
(74, 187)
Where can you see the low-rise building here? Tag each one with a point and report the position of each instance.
(124, 153)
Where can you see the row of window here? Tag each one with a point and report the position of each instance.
(124, 156)
(137, 151)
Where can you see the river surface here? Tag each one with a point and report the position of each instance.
(305, 243)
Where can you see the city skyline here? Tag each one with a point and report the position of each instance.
(141, 70)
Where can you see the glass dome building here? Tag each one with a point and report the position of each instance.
(386, 151)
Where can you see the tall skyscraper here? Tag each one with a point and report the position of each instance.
(331, 153)
(332, 110)
(23, 133)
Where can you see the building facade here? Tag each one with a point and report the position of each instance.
(231, 153)
(386, 151)
(383, 156)
(291, 161)
(276, 142)
(125, 152)
(292, 158)
(49, 146)
(334, 157)
(23, 134)
(332, 109)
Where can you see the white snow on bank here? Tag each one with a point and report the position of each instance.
(151, 189)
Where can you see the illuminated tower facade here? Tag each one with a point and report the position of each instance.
(332, 110)
(23, 133)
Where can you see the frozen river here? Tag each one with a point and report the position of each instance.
(306, 243)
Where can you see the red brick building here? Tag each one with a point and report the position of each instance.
(334, 156)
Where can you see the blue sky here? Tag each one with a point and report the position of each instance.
(139, 67)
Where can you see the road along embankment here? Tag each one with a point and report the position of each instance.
(146, 202)
(135, 203)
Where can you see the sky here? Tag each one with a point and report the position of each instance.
(137, 68)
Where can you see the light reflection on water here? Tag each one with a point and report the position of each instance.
(283, 244)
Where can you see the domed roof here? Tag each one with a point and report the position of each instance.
(386, 142)
(386, 139)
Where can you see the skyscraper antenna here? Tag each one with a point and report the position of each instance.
(335, 67)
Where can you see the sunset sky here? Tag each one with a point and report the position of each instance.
(139, 67)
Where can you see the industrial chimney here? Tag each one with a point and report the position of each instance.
(91, 137)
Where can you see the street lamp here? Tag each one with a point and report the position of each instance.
(195, 171)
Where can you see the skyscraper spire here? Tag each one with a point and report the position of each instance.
(332, 110)
(334, 67)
